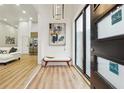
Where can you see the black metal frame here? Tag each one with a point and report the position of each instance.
(84, 41)
(84, 25)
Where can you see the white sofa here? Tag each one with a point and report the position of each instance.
(5, 58)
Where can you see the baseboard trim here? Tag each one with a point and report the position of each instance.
(85, 79)
(33, 76)
(40, 67)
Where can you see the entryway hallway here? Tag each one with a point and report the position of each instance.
(58, 77)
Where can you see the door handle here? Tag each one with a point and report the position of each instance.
(92, 49)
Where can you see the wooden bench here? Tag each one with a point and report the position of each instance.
(57, 59)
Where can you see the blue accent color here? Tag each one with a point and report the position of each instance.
(113, 67)
(116, 17)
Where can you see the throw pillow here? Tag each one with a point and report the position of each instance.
(3, 51)
(13, 50)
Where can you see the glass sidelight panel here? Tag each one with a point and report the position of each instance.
(88, 41)
(79, 42)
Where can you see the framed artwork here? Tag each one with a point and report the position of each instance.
(10, 40)
(57, 35)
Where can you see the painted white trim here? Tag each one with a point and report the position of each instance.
(33, 77)
(85, 79)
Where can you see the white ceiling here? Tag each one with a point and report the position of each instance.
(13, 13)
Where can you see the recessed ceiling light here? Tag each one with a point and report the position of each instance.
(30, 18)
(5, 19)
(20, 19)
(23, 11)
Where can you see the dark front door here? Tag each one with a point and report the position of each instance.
(107, 47)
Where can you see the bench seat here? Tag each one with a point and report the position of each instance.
(56, 59)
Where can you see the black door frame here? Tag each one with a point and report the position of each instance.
(83, 11)
(88, 5)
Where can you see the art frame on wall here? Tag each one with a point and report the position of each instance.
(57, 34)
(10, 40)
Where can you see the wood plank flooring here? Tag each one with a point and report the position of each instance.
(58, 77)
(16, 74)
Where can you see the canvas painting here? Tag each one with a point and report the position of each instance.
(57, 34)
(10, 40)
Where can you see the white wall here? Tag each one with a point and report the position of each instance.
(44, 18)
(24, 29)
(7, 30)
(77, 8)
(34, 27)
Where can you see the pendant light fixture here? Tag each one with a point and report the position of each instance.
(58, 11)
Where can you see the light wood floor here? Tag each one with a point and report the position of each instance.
(58, 77)
(16, 74)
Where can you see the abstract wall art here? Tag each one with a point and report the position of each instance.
(57, 35)
(10, 40)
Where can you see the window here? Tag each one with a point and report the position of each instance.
(79, 41)
(88, 41)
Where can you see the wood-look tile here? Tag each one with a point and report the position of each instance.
(15, 74)
(58, 77)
